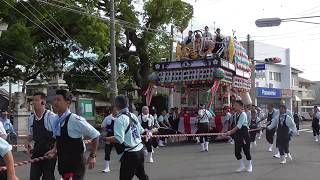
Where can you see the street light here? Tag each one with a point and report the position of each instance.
(270, 22)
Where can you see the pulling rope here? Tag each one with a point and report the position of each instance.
(35, 160)
(3, 168)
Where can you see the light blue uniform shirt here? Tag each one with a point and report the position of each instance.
(289, 122)
(243, 120)
(8, 126)
(133, 137)
(49, 121)
(163, 119)
(78, 127)
(5, 147)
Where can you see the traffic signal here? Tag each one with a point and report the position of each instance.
(272, 60)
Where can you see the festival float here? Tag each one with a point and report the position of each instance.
(205, 71)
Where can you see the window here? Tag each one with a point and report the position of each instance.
(275, 76)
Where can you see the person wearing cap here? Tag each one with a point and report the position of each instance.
(315, 123)
(8, 127)
(241, 137)
(5, 153)
(206, 34)
(40, 138)
(69, 131)
(285, 126)
(127, 135)
(107, 126)
(204, 117)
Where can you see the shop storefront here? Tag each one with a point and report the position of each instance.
(267, 96)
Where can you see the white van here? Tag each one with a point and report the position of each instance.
(304, 112)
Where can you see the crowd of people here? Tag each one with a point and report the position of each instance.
(59, 135)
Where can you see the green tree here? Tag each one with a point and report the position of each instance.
(150, 42)
(40, 34)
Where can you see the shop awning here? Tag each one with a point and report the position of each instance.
(296, 98)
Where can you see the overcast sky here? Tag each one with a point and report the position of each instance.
(302, 39)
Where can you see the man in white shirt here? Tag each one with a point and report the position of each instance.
(206, 34)
(40, 125)
(205, 117)
(108, 129)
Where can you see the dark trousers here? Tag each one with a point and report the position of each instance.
(203, 128)
(132, 163)
(283, 147)
(240, 145)
(253, 135)
(298, 126)
(3, 175)
(148, 145)
(107, 151)
(79, 174)
(270, 135)
(44, 169)
(315, 129)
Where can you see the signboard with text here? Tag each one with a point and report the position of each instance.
(268, 93)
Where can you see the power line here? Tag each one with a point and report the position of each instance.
(63, 32)
(53, 36)
(126, 24)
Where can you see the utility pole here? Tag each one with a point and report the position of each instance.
(170, 98)
(113, 83)
(253, 71)
(10, 95)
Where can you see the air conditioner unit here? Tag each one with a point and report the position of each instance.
(270, 85)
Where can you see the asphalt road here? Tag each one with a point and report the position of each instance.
(185, 162)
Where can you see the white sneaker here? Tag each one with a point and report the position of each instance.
(206, 146)
(149, 158)
(242, 167)
(316, 139)
(284, 160)
(249, 169)
(277, 155)
(161, 143)
(107, 169)
(289, 156)
(270, 148)
(231, 141)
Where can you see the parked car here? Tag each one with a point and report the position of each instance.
(304, 112)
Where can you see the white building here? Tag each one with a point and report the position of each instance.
(273, 81)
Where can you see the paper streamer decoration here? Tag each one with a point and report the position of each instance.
(149, 93)
(213, 90)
